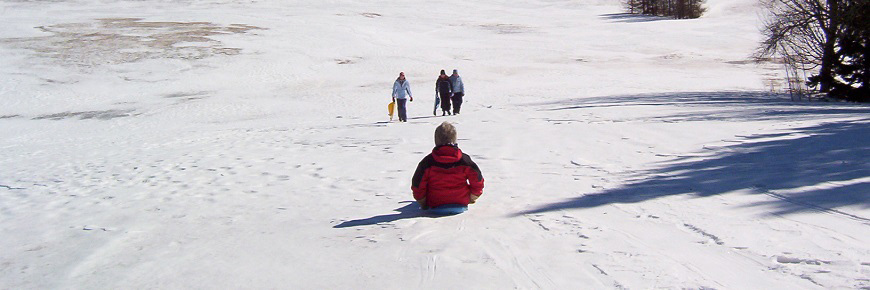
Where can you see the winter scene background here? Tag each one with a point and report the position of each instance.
(219, 144)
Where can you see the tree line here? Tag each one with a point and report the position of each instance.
(679, 9)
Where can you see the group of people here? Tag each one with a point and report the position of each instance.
(448, 90)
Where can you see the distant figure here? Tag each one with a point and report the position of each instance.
(401, 88)
(444, 88)
(458, 91)
(446, 176)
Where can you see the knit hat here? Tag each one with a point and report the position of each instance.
(445, 134)
(455, 71)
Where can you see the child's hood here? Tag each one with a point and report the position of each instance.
(447, 154)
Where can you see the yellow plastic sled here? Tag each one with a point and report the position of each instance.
(392, 109)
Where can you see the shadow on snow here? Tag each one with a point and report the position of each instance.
(630, 18)
(410, 210)
(718, 106)
(816, 168)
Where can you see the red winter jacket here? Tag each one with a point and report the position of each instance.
(446, 176)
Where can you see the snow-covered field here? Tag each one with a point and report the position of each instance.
(223, 144)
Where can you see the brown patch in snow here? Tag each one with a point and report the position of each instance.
(124, 40)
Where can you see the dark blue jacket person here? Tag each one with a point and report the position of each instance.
(444, 89)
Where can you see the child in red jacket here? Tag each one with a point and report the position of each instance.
(446, 176)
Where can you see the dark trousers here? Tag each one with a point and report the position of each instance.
(457, 102)
(445, 102)
(403, 115)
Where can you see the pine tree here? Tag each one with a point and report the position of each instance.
(854, 68)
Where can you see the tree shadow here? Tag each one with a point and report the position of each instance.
(719, 106)
(410, 210)
(823, 167)
(631, 18)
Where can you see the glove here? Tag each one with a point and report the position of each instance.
(412, 99)
(473, 198)
(422, 203)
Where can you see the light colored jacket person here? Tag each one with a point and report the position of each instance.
(456, 80)
(401, 88)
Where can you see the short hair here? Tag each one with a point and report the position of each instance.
(445, 134)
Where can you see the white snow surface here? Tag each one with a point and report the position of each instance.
(223, 144)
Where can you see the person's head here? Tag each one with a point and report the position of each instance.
(455, 71)
(445, 134)
(443, 73)
(401, 75)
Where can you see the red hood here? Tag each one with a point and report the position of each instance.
(447, 154)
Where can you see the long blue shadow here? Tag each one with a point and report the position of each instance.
(830, 162)
(410, 210)
(629, 17)
(719, 106)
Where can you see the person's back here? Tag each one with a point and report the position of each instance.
(446, 176)
(458, 91)
(456, 82)
(443, 85)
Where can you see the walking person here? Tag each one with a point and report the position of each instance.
(458, 91)
(444, 88)
(402, 93)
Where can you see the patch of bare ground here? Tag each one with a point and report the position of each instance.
(502, 28)
(123, 40)
(99, 115)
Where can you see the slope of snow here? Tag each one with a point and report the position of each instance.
(245, 144)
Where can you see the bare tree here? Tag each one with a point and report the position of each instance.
(829, 37)
(803, 32)
(633, 6)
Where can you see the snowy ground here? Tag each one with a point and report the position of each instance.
(245, 144)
